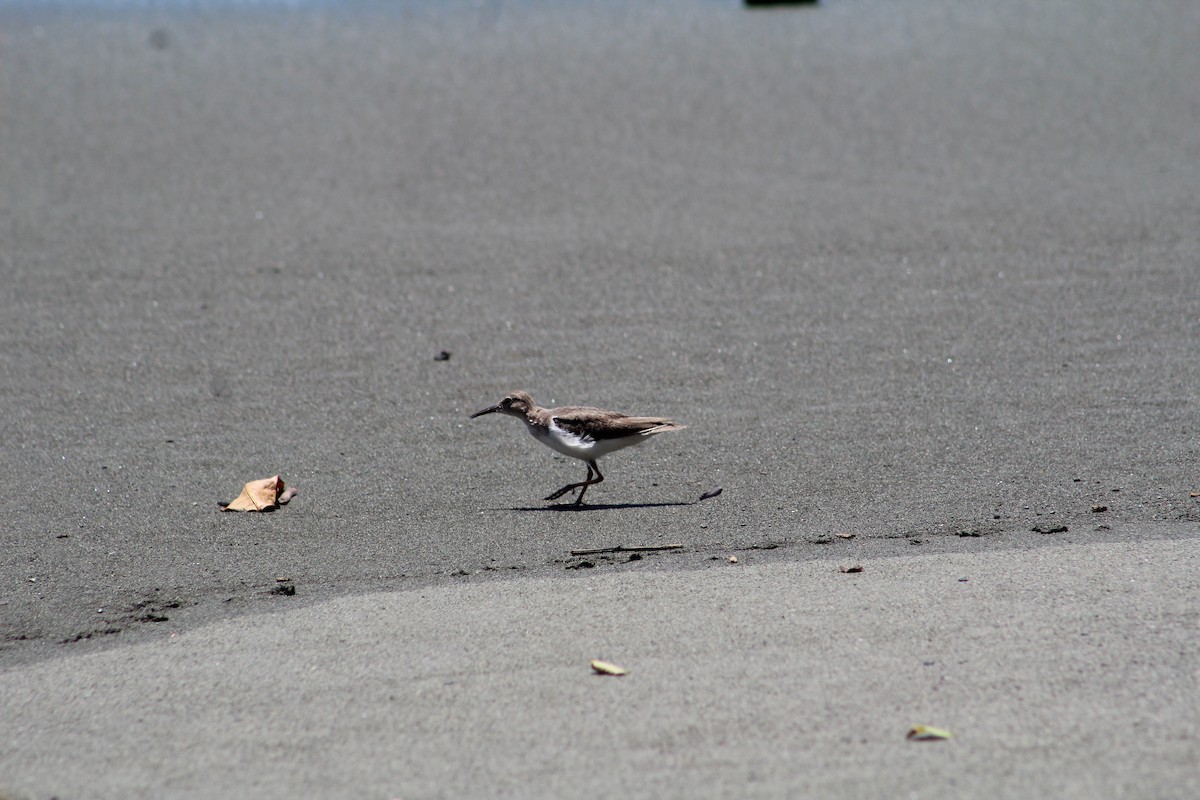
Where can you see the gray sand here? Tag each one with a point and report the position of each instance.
(1057, 671)
(926, 272)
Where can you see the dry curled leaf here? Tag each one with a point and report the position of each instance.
(928, 733)
(605, 668)
(262, 495)
(850, 568)
(711, 493)
(844, 535)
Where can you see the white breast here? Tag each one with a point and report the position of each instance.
(581, 447)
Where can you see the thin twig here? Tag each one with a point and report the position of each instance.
(623, 549)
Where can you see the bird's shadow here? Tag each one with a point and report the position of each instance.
(595, 506)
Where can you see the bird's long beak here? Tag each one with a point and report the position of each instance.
(488, 410)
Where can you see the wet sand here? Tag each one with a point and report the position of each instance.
(923, 274)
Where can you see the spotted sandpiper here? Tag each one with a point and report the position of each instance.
(580, 432)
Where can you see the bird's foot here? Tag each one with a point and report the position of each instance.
(560, 493)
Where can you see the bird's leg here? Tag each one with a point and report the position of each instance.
(570, 487)
(592, 466)
(582, 485)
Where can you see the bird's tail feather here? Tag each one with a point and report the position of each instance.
(662, 428)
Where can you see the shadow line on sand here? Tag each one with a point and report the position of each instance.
(594, 506)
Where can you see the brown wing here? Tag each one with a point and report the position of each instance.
(600, 424)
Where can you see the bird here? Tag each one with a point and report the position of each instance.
(580, 432)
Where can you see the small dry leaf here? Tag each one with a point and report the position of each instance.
(711, 493)
(850, 568)
(928, 733)
(261, 495)
(733, 559)
(605, 668)
(844, 535)
(1193, 494)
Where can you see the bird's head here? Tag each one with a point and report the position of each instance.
(517, 404)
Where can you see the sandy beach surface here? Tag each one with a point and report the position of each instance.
(922, 279)
(1060, 672)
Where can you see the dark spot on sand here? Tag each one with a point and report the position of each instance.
(765, 546)
(89, 634)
